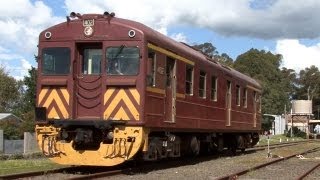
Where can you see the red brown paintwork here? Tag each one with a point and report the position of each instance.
(193, 113)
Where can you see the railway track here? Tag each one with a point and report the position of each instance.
(81, 172)
(36, 173)
(237, 175)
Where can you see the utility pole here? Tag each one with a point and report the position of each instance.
(309, 93)
(291, 124)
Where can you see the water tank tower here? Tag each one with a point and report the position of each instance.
(302, 107)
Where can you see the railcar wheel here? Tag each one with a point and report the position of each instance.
(195, 146)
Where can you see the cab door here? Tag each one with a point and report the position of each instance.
(88, 81)
(171, 83)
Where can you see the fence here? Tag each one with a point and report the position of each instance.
(27, 145)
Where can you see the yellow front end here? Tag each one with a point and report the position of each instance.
(127, 141)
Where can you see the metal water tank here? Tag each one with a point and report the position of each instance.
(302, 107)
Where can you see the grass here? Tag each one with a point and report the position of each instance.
(274, 139)
(26, 165)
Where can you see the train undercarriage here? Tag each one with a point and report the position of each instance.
(112, 145)
(163, 144)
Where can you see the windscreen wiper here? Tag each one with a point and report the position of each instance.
(119, 51)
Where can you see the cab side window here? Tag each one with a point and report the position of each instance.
(151, 64)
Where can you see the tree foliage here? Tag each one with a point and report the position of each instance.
(8, 91)
(265, 68)
(308, 83)
(11, 129)
(307, 87)
(18, 97)
(29, 103)
(211, 51)
(207, 48)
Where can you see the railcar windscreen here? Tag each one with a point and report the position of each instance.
(55, 61)
(123, 60)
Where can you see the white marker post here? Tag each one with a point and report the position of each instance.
(268, 140)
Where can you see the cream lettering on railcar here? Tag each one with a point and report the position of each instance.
(88, 22)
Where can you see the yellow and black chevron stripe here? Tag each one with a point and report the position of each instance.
(122, 104)
(56, 100)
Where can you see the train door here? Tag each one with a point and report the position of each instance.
(171, 81)
(228, 104)
(254, 109)
(88, 81)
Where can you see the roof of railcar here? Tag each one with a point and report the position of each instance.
(170, 44)
(183, 48)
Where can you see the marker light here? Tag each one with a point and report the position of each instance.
(47, 35)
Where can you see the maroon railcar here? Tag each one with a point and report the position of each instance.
(110, 89)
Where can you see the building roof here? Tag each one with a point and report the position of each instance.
(4, 115)
(7, 115)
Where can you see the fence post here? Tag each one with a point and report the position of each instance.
(29, 143)
(1, 142)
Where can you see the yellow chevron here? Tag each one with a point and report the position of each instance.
(43, 92)
(53, 113)
(65, 94)
(54, 96)
(121, 115)
(135, 94)
(121, 95)
(108, 94)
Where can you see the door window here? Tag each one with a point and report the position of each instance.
(91, 64)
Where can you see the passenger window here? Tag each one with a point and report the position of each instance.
(214, 85)
(245, 94)
(123, 60)
(259, 102)
(151, 77)
(189, 80)
(92, 61)
(238, 95)
(56, 61)
(202, 84)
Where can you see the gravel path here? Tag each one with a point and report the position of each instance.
(214, 168)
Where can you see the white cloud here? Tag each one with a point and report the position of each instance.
(252, 18)
(298, 56)
(180, 37)
(21, 22)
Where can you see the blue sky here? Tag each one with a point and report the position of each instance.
(286, 27)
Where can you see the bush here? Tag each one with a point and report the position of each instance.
(296, 133)
(21, 156)
(3, 157)
(34, 155)
(15, 156)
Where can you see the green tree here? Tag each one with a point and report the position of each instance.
(308, 83)
(10, 129)
(29, 101)
(265, 68)
(8, 91)
(307, 87)
(289, 79)
(225, 59)
(30, 83)
(207, 48)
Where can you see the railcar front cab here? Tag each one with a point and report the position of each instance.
(88, 102)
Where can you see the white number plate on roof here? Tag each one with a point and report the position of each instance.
(88, 22)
